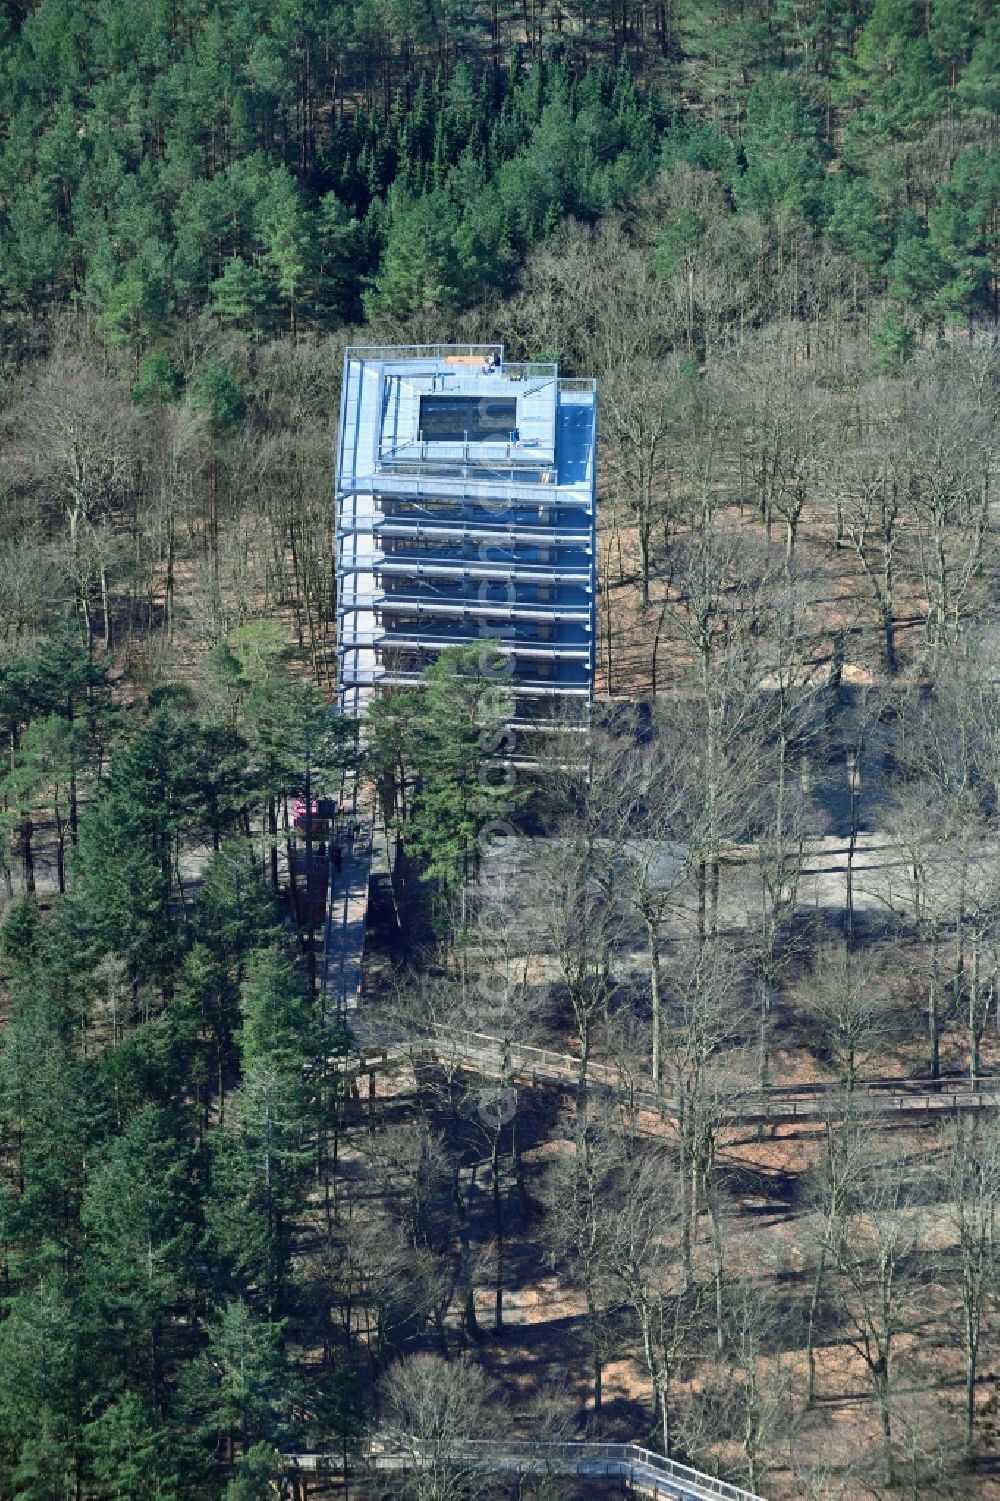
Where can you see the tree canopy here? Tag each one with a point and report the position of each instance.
(274, 164)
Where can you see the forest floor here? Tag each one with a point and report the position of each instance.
(542, 1345)
(830, 585)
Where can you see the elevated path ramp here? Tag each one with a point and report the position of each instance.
(515, 1063)
(346, 918)
(641, 1471)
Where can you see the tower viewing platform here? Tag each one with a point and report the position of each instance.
(465, 511)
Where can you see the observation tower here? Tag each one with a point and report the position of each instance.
(465, 511)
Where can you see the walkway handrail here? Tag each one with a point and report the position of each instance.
(955, 1085)
(778, 1103)
(643, 1467)
(353, 837)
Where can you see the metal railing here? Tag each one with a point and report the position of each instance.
(398, 603)
(500, 484)
(527, 369)
(352, 834)
(537, 482)
(399, 353)
(647, 1472)
(467, 565)
(419, 565)
(498, 534)
(392, 677)
(395, 352)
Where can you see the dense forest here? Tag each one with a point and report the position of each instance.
(770, 230)
(274, 164)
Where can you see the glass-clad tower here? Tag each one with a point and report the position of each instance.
(465, 512)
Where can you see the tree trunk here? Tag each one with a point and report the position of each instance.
(106, 608)
(168, 588)
(889, 632)
(597, 1364)
(465, 1258)
(974, 1024)
(498, 1233)
(852, 844)
(653, 933)
(885, 1419)
(971, 1353)
(717, 1269)
(644, 560)
(933, 1019)
(28, 855)
(684, 1178)
(811, 1328)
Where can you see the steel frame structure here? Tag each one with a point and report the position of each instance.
(465, 511)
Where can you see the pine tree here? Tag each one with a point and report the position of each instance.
(139, 1218)
(46, 1382)
(128, 1455)
(51, 1119)
(240, 1392)
(239, 298)
(462, 787)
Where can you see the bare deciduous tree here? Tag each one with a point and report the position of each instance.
(830, 1189)
(873, 1255)
(579, 1233)
(846, 1011)
(83, 439)
(704, 1074)
(435, 1404)
(640, 1193)
(650, 844)
(720, 602)
(748, 1394)
(970, 1187)
(946, 456)
(638, 402)
(867, 500)
(575, 926)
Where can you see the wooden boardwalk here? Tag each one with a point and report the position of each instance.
(887, 1099)
(342, 978)
(343, 961)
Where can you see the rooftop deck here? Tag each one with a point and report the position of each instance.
(384, 447)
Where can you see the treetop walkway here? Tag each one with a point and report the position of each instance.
(346, 920)
(781, 1104)
(641, 1472)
